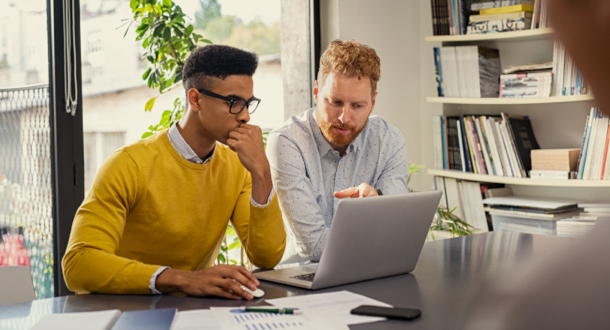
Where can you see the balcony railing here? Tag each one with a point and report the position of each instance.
(25, 183)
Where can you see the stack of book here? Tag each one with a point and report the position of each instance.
(501, 19)
(595, 210)
(494, 145)
(531, 207)
(467, 71)
(593, 163)
(455, 17)
(575, 226)
(567, 78)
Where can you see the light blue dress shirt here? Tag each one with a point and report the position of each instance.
(186, 152)
(306, 171)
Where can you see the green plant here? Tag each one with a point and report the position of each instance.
(167, 42)
(444, 219)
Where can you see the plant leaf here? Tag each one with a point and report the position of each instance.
(149, 104)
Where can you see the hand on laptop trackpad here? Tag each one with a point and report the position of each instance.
(258, 293)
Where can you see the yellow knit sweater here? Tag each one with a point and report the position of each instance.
(149, 207)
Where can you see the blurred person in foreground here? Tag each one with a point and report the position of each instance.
(334, 150)
(157, 213)
(567, 288)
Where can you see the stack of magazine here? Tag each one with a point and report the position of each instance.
(531, 207)
(455, 17)
(534, 80)
(579, 225)
(501, 19)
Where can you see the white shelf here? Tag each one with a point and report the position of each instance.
(524, 34)
(500, 101)
(520, 181)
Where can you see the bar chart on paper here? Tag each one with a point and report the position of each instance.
(232, 318)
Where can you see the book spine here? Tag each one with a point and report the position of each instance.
(461, 145)
(444, 139)
(483, 158)
(433, 5)
(450, 16)
(439, 71)
(507, 9)
(585, 144)
(591, 147)
(605, 155)
(444, 16)
(438, 142)
(476, 147)
(473, 162)
(509, 149)
(482, 18)
(467, 160)
(503, 25)
(496, 156)
(534, 24)
(503, 149)
(513, 141)
(486, 150)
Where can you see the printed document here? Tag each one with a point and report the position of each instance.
(233, 318)
(341, 303)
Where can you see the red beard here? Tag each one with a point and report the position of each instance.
(340, 139)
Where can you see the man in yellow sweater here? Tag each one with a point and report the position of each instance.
(158, 210)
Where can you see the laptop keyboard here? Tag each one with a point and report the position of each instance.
(304, 277)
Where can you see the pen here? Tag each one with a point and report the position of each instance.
(272, 310)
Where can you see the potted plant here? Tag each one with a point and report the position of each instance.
(445, 224)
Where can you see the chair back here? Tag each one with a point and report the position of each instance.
(16, 285)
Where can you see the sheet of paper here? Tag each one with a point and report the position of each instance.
(341, 302)
(199, 319)
(99, 320)
(231, 318)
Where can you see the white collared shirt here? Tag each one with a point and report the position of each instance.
(306, 171)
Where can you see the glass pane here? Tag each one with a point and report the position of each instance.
(251, 25)
(25, 163)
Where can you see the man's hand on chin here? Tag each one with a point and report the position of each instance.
(247, 141)
(363, 190)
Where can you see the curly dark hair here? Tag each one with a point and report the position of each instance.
(209, 63)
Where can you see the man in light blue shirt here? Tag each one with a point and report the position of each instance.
(334, 150)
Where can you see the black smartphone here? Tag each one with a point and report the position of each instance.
(389, 312)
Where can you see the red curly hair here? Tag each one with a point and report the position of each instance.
(350, 58)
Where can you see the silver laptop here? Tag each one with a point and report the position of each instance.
(369, 238)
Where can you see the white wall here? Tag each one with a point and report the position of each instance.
(392, 28)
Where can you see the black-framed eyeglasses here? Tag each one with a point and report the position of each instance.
(236, 104)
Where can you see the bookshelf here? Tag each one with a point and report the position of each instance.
(512, 35)
(557, 121)
(509, 101)
(520, 181)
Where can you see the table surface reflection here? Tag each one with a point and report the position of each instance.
(448, 276)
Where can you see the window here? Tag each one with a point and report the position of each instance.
(97, 147)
